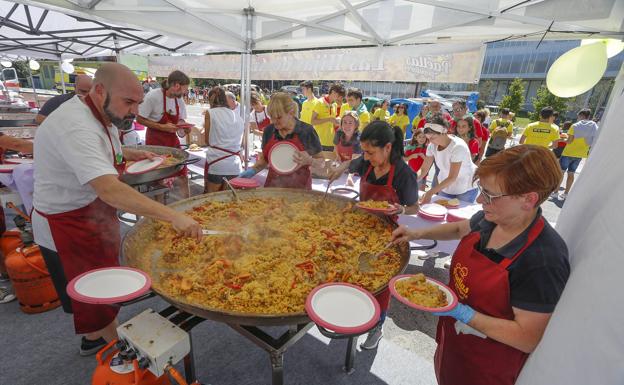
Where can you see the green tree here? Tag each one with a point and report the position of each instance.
(545, 99)
(514, 100)
(485, 90)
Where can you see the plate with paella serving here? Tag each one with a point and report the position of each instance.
(377, 207)
(423, 293)
(277, 245)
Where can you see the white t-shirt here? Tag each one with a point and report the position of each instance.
(71, 149)
(456, 151)
(152, 106)
(226, 131)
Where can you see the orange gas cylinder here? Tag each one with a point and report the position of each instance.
(31, 281)
(9, 241)
(112, 370)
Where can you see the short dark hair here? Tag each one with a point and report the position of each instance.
(505, 111)
(178, 77)
(586, 112)
(547, 112)
(306, 84)
(380, 133)
(337, 88)
(461, 102)
(355, 92)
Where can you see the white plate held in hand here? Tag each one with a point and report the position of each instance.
(144, 165)
(281, 158)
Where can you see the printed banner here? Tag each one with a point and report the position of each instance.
(443, 63)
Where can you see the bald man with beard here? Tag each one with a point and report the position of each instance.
(78, 160)
(82, 87)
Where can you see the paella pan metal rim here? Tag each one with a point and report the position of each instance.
(257, 319)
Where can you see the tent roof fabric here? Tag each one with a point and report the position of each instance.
(220, 26)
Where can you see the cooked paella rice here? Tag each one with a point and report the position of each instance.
(417, 290)
(370, 204)
(282, 251)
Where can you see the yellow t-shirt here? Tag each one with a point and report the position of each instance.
(415, 122)
(306, 110)
(381, 114)
(578, 148)
(364, 117)
(401, 121)
(325, 130)
(504, 123)
(541, 134)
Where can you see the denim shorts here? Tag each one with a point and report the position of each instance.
(469, 196)
(569, 163)
(218, 179)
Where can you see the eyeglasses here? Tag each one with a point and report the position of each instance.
(487, 197)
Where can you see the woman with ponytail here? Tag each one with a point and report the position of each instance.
(384, 177)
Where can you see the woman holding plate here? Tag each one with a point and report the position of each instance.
(287, 129)
(508, 271)
(385, 177)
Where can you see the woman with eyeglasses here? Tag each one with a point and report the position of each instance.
(508, 271)
(400, 118)
(384, 177)
(452, 156)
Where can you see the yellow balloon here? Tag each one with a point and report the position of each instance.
(578, 70)
(614, 46)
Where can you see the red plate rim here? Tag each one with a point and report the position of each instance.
(387, 211)
(404, 300)
(185, 125)
(430, 214)
(144, 171)
(71, 290)
(431, 217)
(244, 182)
(7, 170)
(342, 329)
(283, 143)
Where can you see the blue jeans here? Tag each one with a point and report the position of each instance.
(469, 196)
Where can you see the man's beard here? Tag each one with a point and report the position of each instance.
(124, 123)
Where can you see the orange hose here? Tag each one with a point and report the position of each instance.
(177, 376)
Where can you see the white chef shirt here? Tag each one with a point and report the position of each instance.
(456, 151)
(71, 148)
(152, 106)
(226, 131)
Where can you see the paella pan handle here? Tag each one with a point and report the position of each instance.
(188, 161)
(425, 247)
(348, 190)
(145, 296)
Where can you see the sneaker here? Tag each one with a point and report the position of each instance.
(373, 338)
(562, 196)
(90, 347)
(6, 295)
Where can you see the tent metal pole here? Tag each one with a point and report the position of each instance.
(32, 81)
(246, 80)
(62, 72)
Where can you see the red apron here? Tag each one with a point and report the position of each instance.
(465, 359)
(264, 123)
(301, 178)
(88, 238)
(369, 191)
(345, 153)
(162, 138)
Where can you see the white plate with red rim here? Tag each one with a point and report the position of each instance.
(342, 308)
(431, 217)
(433, 210)
(244, 183)
(19, 160)
(185, 125)
(145, 165)
(109, 285)
(7, 168)
(451, 297)
(281, 158)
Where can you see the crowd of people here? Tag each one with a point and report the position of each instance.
(510, 266)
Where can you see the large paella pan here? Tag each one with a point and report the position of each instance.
(278, 245)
